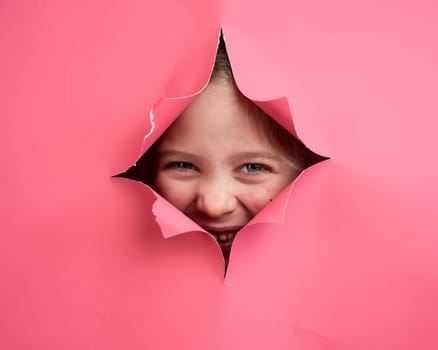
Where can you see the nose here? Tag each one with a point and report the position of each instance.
(215, 200)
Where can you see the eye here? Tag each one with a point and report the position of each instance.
(255, 168)
(180, 166)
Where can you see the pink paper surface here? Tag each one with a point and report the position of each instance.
(84, 264)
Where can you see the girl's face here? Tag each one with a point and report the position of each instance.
(215, 165)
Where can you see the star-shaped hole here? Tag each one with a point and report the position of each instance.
(223, 159)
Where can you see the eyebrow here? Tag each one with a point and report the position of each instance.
(177, 154)
(259, 155)
(245, 155)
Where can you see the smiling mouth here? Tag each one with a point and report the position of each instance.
(224, 237)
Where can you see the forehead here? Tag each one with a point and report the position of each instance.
(220, 111)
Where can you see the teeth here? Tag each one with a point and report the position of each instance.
(223, 237)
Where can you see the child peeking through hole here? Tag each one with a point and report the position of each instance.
(223, 159)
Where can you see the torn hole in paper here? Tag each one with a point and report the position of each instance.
(222, 161)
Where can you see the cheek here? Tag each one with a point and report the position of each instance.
(176, 193)
(256, 197)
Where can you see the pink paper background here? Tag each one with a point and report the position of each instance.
(83, 264)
